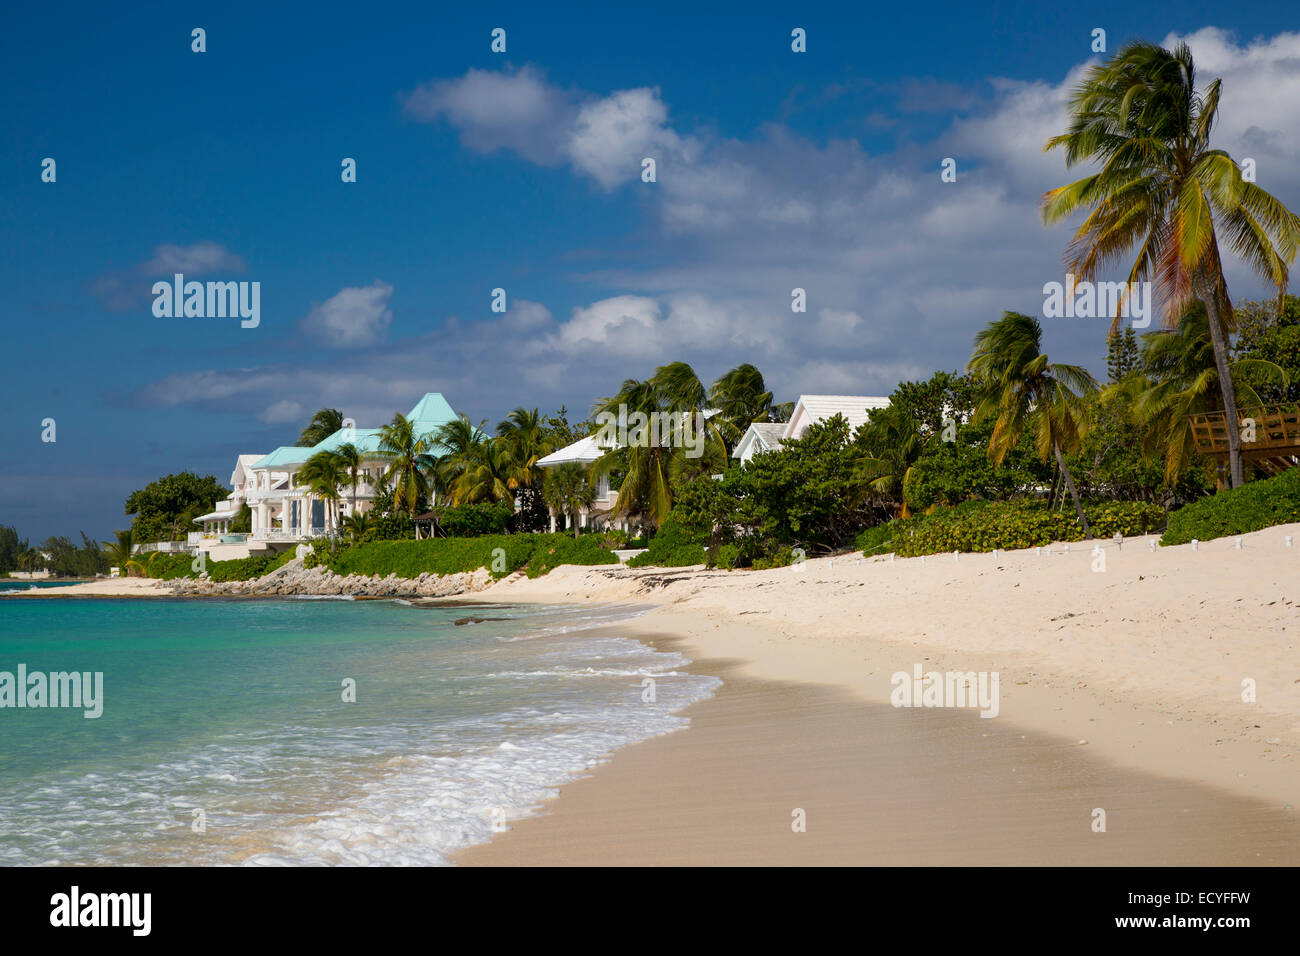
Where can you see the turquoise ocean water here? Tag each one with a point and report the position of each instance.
(225, 737)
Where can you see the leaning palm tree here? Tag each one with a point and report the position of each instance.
(647, 484)
(410, 459)
(741, 398)
(461, 443)
(568, 490)
(1019, 385)
(1161, 188)
(324, 423)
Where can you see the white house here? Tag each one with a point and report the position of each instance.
(584, 452)
(285, 511)
(769, 436)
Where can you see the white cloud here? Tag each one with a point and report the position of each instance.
(352, 317)
(122, 291)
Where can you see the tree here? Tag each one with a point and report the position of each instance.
(1022, 390)
(410, 460)
(165, 509)
(351, 459)
(741, 398)
(323, 473)
(1179, 379)
(324, 423)
(1121, 354)
(1269, 334)
(1162, 188)
(569, 491)
(11, 547)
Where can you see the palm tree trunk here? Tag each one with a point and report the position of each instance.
(1069, 483)
(1205, 290)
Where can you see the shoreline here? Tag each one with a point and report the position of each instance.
(876, 788)
(1132, 678)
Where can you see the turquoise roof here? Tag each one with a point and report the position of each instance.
(284, 455)
(429, 414)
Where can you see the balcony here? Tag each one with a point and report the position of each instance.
(1276, 432)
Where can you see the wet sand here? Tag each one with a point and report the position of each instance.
(878, 786)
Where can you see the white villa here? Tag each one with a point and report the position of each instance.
(584, 452)
(286, 512)
(769, 436)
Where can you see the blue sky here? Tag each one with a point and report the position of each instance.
(521, 170)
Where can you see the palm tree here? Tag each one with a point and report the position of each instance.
(486, 476)
(324, 423)
(568, 490)
(1019, 385)
(460, 443)
(1161, 188)
(526, 443)
(410, 458)
(741, 399)
(646, 483)
(892, 444)
(324, 472)
(1176, 379)
(121, 551)
(356, 525)
(351, 459)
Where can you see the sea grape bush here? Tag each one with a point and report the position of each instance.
(1251, 507)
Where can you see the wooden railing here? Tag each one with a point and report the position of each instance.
(1270, 436)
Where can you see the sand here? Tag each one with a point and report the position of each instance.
(103, 587)
(1120, 689)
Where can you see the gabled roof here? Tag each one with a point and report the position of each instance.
(243, 464)
(761, 436)
(818, 408)
(584, 452)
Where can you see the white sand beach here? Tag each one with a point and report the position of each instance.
(1136, 670)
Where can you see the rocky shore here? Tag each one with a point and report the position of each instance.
(293, 578)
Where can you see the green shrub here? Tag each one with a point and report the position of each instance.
(1009, 525)
(672, 547)
(502, 554)
(245, 569)
(1259, 504)
(480, 518)
(875, 540)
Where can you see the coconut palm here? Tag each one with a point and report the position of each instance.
(324, 423)
(410, 459)
(1019, 385)
(569, 490)
(323, 473)
(351, 459)
(892, 445)
(486, 475)
(646, 486)
(356, 525)
(525, 443)
(1176, 379)
(741, 398)
(121, 551)
(1162, 188)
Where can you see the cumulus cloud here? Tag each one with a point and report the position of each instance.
(129, 289)
(351, 317)
(900, 268)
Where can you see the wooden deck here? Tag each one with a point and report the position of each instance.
(1277, 436)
